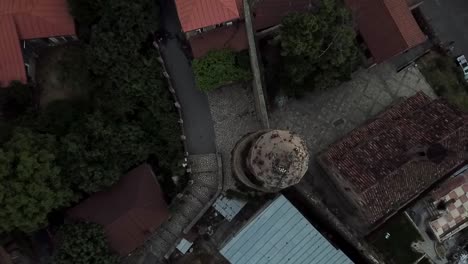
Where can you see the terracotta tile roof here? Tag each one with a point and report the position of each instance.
(130, 211)
(387, 26)
(195, 14)
(269, 13)
(31, 19)
(233, 37)
(374, 159)
(11, 58)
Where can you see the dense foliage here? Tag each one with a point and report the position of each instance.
(445, 77)
(15, 99)
(31, 183)
(83, 243)
(218, 68)
(318, 49)
(121, 116)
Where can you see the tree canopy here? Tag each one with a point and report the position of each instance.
(31, 183)
(83, 243)
(218, 68)
(318, 49)
(121, 116)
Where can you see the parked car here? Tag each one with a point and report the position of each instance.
(464, 65)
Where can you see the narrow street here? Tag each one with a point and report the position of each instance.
(196, 113)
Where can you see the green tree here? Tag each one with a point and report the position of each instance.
(83, 243)
(132, 116)
(31, 184)
(318, 49)
(99, 151)
(15, 99)
(218, 68)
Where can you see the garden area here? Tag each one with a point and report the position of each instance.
(220, 68)
(100, 108)
(445, 77)
(394, 238)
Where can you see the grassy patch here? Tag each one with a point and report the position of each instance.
(219, 68)
(445, 77)
(397, 248)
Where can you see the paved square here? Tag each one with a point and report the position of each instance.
(322, 118)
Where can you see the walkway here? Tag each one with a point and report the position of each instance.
(196, 114)
(204, 165)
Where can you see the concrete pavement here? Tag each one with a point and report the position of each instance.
(198, 123)
(449, 20)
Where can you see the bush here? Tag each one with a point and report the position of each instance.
(16, 99)
(218, 68)
(31, 182)
(83, 243)
(318, 49)
(446, 78)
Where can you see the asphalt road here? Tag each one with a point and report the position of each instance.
(449, 19)
(198, 123)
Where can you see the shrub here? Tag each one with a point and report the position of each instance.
(31, 182)
(83, 243)
(218, 68)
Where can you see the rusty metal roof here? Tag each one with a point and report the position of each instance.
(130, 211)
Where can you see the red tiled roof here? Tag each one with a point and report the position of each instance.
(269, 13)
(31, 19)
(129, 211)
(195, 14)
(374, 158)
(387, 26)
(11, 58)
(232, 37)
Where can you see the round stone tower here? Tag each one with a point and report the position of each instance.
(270, 160)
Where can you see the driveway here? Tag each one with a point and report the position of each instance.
(198, 123)
(449, 19)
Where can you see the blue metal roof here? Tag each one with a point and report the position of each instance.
(280, 234)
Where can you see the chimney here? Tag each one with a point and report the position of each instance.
(435, 153)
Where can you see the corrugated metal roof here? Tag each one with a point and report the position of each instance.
(184, 245)
(280, 234)
(195, 14)
(229, 207)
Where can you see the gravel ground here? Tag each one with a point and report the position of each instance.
(233, 112)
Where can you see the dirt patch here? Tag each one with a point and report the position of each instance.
(53, 66)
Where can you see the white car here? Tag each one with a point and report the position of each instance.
(464, 65)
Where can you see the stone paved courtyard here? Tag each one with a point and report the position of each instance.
(233, 112)
(324, 117)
